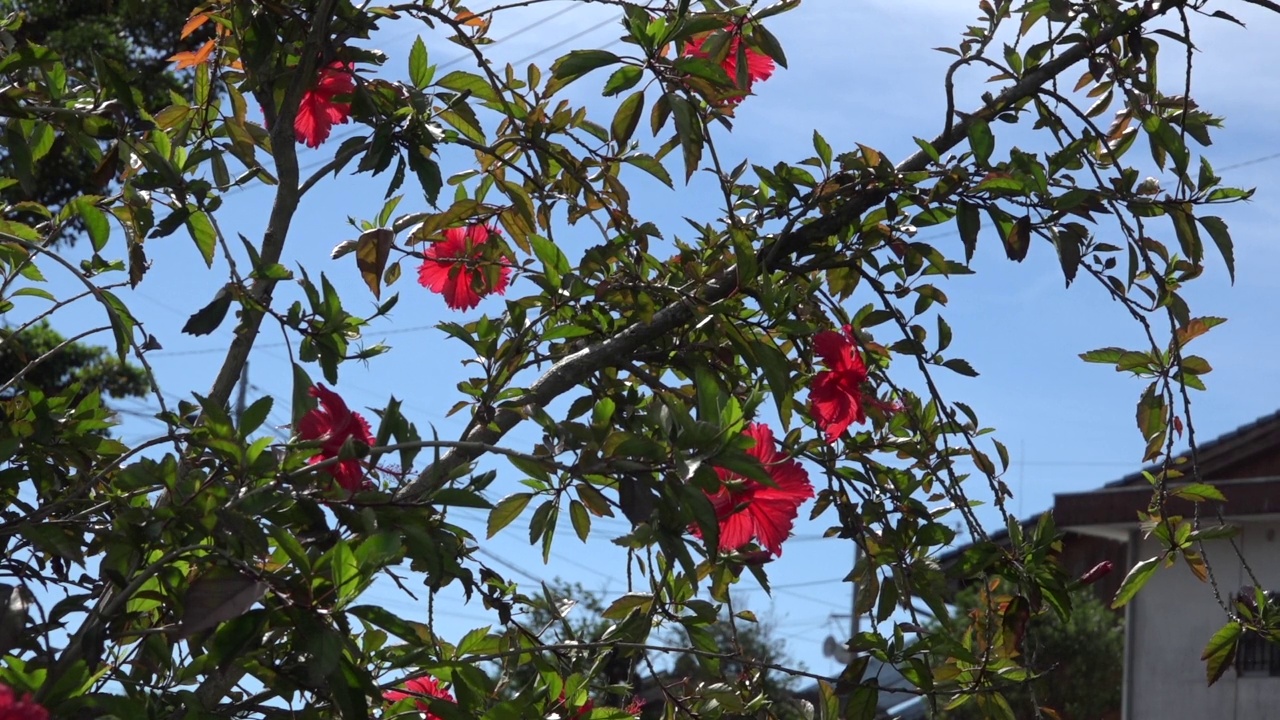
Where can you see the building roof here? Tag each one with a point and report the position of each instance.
(1222, 452)
(1244, 464)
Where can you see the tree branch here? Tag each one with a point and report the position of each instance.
(572, 370)
(288, 194)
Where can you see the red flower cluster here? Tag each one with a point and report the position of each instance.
(838, 396)
(759, 66)
(318, 111)
(451, 268)
(333, 423)
(420, 688)
(748, 510)
(13, 707)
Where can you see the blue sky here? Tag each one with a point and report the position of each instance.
(859, 72)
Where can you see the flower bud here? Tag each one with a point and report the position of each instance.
(1096, 573)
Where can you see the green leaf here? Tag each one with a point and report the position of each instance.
(1188, 233)
(201, 229)
(1198, 492)
(623, 79)
(507, 510)
(981, 141)
(777, 372)
(580, 519)
(961, 367)
(415, 633)
(1213, 532)
(768, 44)
(823, 149)
(1221, 650)
(419, 71)
(256, 414)
(689, 132)
(650, 165)
(969, 222)
(1222, 238)
(291, 547)
(1068, 244)
(1108, 355)
(555, 264)
(465, 82)
(623, 606)
(1151, 413)
(580, 62)
(1134, 581)
(927, 147)
(19, 230)
(95, 221)
(345, 571)
(301, 396)
(208, 318)
(862, 704)
(627, 118)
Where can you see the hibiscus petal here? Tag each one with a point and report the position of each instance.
(836, 351)
(445, 268)
(736, 531)
(459, 291)
(835, 402)
(773, 522)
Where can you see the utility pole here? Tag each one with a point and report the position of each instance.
(853, 607)
(833, 648)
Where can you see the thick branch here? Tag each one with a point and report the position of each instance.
(282, 211)
(574, 369)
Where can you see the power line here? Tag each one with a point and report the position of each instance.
(518, 33)
(458, 60)
(1247, 163)
(510, 565)
(570, 39)
(206, 351)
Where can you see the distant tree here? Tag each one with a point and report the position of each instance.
(1069, 668)
(91, 366)
(122, 44)
(570, 613)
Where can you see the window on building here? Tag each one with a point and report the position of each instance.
(1255, 657)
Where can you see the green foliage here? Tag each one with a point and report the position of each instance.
(129, 40)
(87, 368)
(217, 567)
(1072, 665)
(569, 613)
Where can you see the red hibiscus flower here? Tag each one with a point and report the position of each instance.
(835, 395)
(749, 510)
(581, 712)
(13, 707)
(451, 267)
(759, 66)
(318, 112)
(635, 706)
(333, 423)
(420, 688)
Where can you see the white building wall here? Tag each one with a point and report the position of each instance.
(1172, 619)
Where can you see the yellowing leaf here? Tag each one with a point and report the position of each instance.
(372, 250)
(193, 23)
(189, 58)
